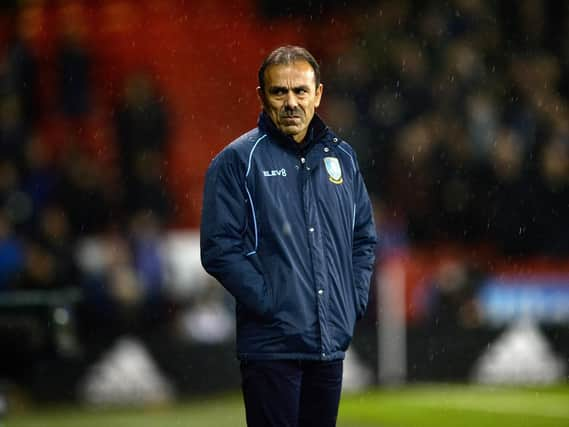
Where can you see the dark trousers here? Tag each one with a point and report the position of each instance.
(291, 393)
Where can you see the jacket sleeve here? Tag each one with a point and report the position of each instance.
(364, 242)
(222, 230)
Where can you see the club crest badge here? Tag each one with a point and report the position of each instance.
(334, 170)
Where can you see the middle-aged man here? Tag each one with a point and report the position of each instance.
(287, 229)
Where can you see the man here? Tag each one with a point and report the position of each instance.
(287, 229)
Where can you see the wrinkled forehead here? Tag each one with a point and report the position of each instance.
(297, 73)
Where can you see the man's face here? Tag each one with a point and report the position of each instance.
(290, 97)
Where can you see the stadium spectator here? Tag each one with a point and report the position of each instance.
(454, 304)
(506, 201)
(74, 64)
(412, 166)
(11, 254)
(15, 202)
(84, 195)
(552, 197)
(40, 177)
(145, 243)
(54, 233)
(14, 131)
(141, 124)
(455, 215)
(147, 191)
(19, 76)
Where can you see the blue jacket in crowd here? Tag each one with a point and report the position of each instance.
(288, 230)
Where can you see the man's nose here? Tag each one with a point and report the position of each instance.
(290, 100)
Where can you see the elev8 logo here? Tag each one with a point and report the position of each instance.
(277, 172)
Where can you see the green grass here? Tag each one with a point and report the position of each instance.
(215, 413)
(455, 406)
(418, 406)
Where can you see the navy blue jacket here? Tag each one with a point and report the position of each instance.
(288, 230)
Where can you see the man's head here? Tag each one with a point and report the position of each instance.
(290, 89)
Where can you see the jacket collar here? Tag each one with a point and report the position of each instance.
(317, 130)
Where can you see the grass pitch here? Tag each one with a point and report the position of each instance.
(454, 406)
(412, 406)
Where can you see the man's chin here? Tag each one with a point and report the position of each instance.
(290, 130)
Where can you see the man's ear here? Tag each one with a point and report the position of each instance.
(318, 95)
(261, 96)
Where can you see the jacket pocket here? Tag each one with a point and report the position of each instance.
(342, 318)
(263, 306)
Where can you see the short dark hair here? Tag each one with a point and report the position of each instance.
(287, 55)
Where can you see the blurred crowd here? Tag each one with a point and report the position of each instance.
(459, 113)
(56, 191)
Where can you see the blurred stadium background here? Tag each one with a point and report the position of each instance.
(110, 111)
